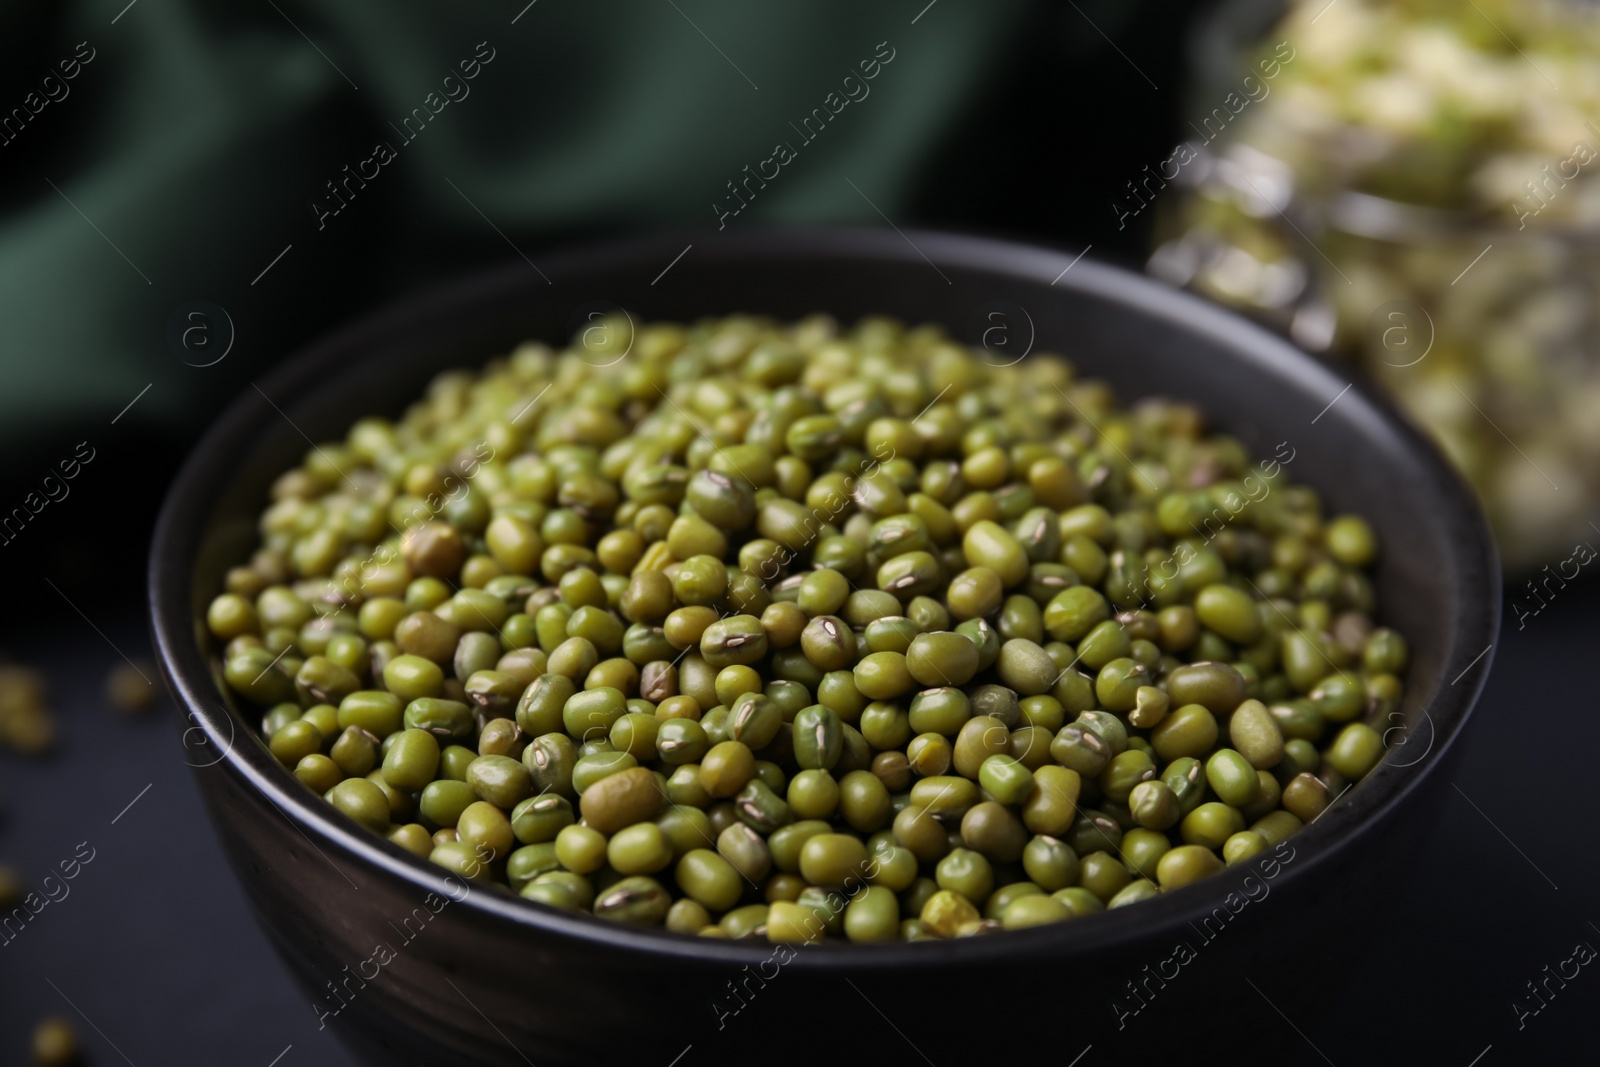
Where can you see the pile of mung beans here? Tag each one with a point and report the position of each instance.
(750, 629)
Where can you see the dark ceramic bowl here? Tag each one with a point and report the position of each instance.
(493, 979)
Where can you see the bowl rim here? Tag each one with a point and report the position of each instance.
(187, 509)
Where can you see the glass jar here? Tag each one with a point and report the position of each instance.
(1478, 315)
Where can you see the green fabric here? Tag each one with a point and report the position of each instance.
(198, 135)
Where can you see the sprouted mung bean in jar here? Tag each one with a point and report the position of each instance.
(1440, 160)
(789, 631)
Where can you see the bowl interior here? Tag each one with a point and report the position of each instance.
(1437, 581)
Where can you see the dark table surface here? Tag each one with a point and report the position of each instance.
(153, 953)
